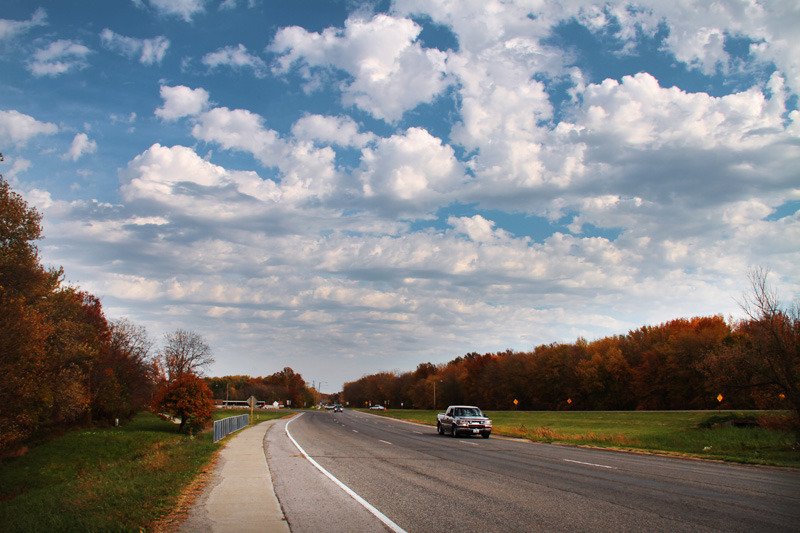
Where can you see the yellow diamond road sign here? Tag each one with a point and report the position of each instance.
(719, 398)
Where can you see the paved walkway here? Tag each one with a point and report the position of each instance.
(239, 496)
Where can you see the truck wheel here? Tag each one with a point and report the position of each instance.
(454, 434)
(439, 429)
(486, 435)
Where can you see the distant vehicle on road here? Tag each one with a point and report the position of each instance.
(377, 408)
(463, 420)
(337, 408)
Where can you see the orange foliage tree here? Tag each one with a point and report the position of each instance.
(186, 397)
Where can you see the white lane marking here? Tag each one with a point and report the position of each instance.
(354, 431)
(590, 464)
(379, 515)
(470, 443)
(385, 441)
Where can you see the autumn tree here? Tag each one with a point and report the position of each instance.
(124, 373)
(186, 397)
(79, 335)
(185, 352)
(24, 326)
(764, 352)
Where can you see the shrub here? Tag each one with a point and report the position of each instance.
(186, 397)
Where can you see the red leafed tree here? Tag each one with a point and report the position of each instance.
(186, 397)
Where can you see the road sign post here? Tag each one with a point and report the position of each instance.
(252, 403)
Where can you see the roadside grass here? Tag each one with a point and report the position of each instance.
(104, 479)
(702, 434)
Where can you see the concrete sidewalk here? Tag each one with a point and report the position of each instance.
(239, 496)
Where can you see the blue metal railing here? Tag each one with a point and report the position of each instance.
(226, 426)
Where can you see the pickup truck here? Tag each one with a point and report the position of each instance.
(463, 420)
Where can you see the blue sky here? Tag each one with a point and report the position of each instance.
(353, 187)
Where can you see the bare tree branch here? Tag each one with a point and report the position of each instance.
(185, 352)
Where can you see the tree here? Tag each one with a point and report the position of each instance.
(186, 397)
(774, 339)
(762, 356)
(185, 352)
(25, 396)
(124, 374)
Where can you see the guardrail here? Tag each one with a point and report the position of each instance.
(226, 426)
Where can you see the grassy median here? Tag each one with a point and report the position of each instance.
(109, 479)
(765, 438)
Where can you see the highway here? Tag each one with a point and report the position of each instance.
(421, 481)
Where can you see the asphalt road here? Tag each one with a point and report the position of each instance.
(425, 482)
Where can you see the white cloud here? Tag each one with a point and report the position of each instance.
(237, 58)
(341, 131)
(306, 171)
(477, 228)
(239, 129)
(638, 112)
(147, 51)
(18, 128)
(12, 28)
(81, 145)
(176, 181)
(391, 72)
(185, 9)
(410, 172)
(58, 58)
(181, 101)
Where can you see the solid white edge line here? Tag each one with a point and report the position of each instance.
(590, 464)
(379, 515)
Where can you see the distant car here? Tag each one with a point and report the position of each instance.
(337, 408)
(378, 408)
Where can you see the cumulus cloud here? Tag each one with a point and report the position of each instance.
(239, 129)
(18, 128)
(12, 28)
(147, 51)
(181, 101)
(390, 71)
(185, 9)
(237, 58)
(58, 58)
(81, 145)
(410, 172)
(341, 131)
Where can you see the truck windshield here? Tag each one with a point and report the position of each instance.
(467, 412)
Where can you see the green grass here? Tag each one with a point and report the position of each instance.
(700, 434)
(109, 479)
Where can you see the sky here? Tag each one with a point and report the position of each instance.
(347, 187)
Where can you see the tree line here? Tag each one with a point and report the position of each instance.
(285, 386)
(695, 363)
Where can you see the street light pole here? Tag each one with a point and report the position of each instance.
(434, 392)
